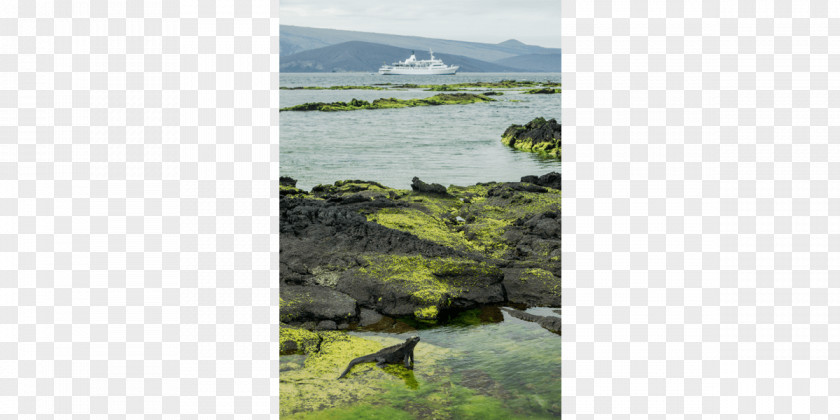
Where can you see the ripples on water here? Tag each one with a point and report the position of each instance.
(452, 144)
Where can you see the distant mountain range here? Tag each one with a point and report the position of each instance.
(327, 50)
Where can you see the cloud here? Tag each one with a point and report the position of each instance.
(530, 21)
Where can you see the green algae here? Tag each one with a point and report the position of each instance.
(357, 412)
(548, 148)
(288, 191)
(484, 219)
(434, 218)
(446, 383)
(545, 91)
(314, 388)
(422, 225)
(484, 315)
(383, 103)
(297, 340)
(549, 282)
(349, 187)
(516, 136)
(429, 313)
(444, 399)
(431, 282)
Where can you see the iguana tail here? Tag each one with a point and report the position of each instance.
(356, 361)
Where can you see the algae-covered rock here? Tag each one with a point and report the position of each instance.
(297, 340)
(382, 103)
(533, 286)
(538, 135)
(544, 91)
(316, 303)
(287, 187)
(413, 285)
(387, 248)
(314, 387)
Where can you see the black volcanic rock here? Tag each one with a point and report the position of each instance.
(420, 186)
(355, 249)
(538, 135)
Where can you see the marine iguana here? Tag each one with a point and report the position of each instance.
(394, 354)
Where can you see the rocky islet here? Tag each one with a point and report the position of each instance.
(539, 135)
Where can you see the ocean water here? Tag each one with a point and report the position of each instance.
(506, 369)
(516, 363)
(452, 144)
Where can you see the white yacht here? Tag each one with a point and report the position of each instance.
(414, 66)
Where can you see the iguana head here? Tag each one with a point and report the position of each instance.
(412, 341)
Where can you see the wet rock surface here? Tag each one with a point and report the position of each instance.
(551, 323)
(322, 304)
(538, 135)
(354, 251)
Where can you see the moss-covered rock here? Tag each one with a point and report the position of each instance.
(401, 285)
(539, 135)
(295, 340)
(388, 248)
(543, 91)
(382, 103)
(313, 387)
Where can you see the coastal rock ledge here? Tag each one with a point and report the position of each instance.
(357, 250)
(538, 135)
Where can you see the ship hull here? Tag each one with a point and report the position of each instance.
(421, 71)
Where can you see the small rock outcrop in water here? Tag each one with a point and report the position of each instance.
(551, 323)
(287, 186)
(354, 251)
(381, 103)
(544, 91)
(538, 135)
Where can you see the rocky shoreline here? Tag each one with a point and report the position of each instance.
(382, 103)
(355, 252)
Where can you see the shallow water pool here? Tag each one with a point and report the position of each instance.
(507, 369)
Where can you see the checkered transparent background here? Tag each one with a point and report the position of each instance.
(701, 167)
(137, 206)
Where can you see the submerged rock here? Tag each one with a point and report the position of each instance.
(538, 135)
(551, 323)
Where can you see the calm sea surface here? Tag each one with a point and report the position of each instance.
(452, 144)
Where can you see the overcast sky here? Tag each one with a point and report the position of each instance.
(535, 22)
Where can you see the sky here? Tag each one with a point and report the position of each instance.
(535, 22)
